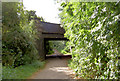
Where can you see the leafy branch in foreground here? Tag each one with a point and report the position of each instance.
(94, 32)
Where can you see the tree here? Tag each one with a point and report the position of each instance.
(19, 35)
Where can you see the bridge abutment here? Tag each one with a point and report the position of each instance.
(48, 31)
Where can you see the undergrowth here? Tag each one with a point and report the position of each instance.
(21, 72)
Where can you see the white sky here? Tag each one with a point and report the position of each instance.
(48, 9)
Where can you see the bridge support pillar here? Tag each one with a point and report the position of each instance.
(41, 48)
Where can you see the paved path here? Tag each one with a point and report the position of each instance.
(55, 68)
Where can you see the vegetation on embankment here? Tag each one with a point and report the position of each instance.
(20, 56)
(93, 30)
(21, 72)
(58, 45)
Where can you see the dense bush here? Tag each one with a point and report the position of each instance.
(19, 35)
(58, 45)
(49, 48)
(94, 33)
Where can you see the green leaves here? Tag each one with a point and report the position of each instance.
(93, 30)
(19, 35)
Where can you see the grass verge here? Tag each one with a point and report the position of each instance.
(21, 72)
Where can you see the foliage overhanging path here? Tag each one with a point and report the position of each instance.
(93, 29)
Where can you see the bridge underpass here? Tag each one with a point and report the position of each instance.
(55, 68)
(57, 46)
(47, 32)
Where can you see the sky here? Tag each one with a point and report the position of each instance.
(48, 9)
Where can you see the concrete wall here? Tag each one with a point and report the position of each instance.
(42, 40)
(50, 34)
(40, 46)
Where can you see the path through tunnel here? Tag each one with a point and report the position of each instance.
(54, 48)
(56, 64)
(48, 32)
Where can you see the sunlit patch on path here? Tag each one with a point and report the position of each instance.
(55, 68)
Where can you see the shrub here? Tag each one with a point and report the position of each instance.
(19, 35)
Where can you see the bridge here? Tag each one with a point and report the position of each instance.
(48, 31)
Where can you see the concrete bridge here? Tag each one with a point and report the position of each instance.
(48, 31)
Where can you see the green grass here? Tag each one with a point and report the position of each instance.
(21, 72)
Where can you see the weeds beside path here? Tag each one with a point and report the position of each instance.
(21, 72)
